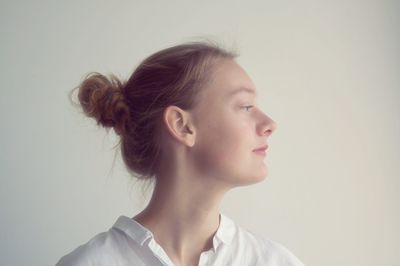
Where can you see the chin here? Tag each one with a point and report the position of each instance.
(251, 180)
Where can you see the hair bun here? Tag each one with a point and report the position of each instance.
(102, 98)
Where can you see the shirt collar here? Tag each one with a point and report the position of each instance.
(133, 229)
(140, 234)
(226, 229)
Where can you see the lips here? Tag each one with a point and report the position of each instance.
(262, 148)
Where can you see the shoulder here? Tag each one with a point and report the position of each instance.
(99, 250)
(280, 253)
(269, 252)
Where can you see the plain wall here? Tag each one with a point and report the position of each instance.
(326, 71)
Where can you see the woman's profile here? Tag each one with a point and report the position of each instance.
(187, 118)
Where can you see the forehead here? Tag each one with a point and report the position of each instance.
(231, 80)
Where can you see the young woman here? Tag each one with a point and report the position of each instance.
(187, 118)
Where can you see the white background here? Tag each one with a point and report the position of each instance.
(326, 71)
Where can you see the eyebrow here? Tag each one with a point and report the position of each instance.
(241, 89)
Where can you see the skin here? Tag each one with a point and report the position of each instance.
(210, 151)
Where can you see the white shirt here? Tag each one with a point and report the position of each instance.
(130, 243)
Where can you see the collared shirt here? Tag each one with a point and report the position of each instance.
(130, 243)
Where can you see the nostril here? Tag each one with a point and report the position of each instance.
(268, 132)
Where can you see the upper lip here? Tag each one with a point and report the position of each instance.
(262, 148)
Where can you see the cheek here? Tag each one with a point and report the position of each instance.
(227, 144)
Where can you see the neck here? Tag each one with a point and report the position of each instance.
(183, 215)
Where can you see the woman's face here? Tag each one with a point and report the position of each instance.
(230, 126)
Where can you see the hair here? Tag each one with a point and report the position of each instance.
(134, 108)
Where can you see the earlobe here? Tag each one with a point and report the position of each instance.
(177, 122)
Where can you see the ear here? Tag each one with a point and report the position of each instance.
(178, 123)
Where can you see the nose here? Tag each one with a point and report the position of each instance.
(267, 126)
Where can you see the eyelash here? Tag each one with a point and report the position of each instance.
(248, 106)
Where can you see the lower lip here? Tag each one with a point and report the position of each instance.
(261, 152)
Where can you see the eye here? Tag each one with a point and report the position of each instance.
(248, 107)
